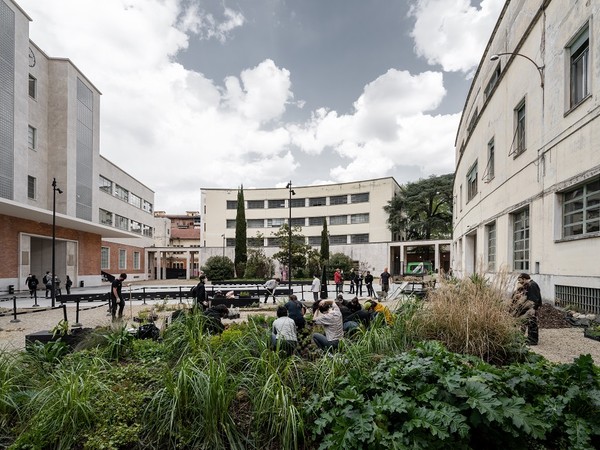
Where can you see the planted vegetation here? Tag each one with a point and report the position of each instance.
(451, 372)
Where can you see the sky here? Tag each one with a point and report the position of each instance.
(207, 93)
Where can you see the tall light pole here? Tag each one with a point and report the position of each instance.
(223, 236)
(289, 187)
(54, 191)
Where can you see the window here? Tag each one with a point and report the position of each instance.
(31, 187)
(255, 242)
(106, 217)
(135, 200)
(298, 203)
(472, 182)
(32, 86)
(272, 242)
(521, 240)
(493, 81)
(473, 120)
(122, 259)
(276, 203)
(105, 184)
(298, 222)
(230, 242)
(147, 206)
(275, 222)
(31, 137)
(317, 201)
(256, 204)
(231, 204)
(359, 198)
(230, 223)
(136, 260)
(338, 200)
(491, 246)
(314, 240)
(255, 223)
(338, 239)
(581, 210)
(579, 69)
(121, 193)
(519, 139)
(136, 227)
(359, 238)
(121, 222)
(104, 258)
(338, 220)
(147, 230)
(359, 218)
(315, 221)
(490, 169)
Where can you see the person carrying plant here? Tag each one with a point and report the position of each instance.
(284, 336)
(329, 316)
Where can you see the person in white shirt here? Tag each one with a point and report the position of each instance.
(270, 287)
(315, 288)
(284, 334)
(329, 316)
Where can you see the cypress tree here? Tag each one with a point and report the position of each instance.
(241, 246)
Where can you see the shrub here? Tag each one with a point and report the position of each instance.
(218, 268)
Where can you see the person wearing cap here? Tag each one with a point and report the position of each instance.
(329, 316)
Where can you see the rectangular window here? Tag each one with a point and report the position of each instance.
(135, 200)
(272, 242)
(472, 182)
(520, 135)
(230, 223)
(121, 193)
(31, 187)
(32, 86)
(359, 198)
(31, 137)
(147, 230)
(317, 201)
(314, 240)
(338, 239)
(256, 204)
(105, 185)
(359, 218)
(338, 220)
(581, 210)
(121, 222)
(493, 81)
(521, 240)
(579, 69)
(298, 221)
(491, 246)
(231, 204)
(275, 223)
(255, 223)
(473, 120)
(104, 258)
(338, 200)
(490, 169)
(230, 242)
(298, 203)
(136, 227)
(122, 259)
(315, 221)
(255, 242)
(106, 217)
(147, 206)
(276, 203)
(359, 238)
(136, 260)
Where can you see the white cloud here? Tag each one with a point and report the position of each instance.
(453, 33)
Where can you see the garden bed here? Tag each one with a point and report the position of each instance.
(592, 333)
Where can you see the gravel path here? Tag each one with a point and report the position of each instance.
(560, 345)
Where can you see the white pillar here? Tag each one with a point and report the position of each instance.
(187, 265)
(159, 265)
(437, 257)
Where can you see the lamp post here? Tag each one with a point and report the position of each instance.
(54, 191)
(540, 69)
(223, 236)
(289, 187)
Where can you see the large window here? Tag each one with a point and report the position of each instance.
(491, 246)
(105, 184)
(31, 187)
(230, 223)
(135, 200)
(493, 81)
(31, 137)
(106, 217)
(121, 193)
(122, 259)
(521, 240)
(491, 153)
(520, 135)
(276, 203)
(472, 182)
(298, 221)
(359, 198)
(298, 203)
(338, 220)
(255, 242)
(136, 260)
(255, 223)
(359, 238)
(359, 218)
(231, 204)
(32, 86)
(136, 227)
(275, 223)
(256, 204)
(121, 222)
(314, 240)
(317, 201)
(104, 258)
(338, 200)
(315, 221)
(581, 210)
(338, 239)
(147, 230)
(579, 69)
(272, 242)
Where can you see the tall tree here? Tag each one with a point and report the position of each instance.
(423, 209)
(299, 248)
(241, 249)
(324, 242)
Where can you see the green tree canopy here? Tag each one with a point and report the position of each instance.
(300, 249)
(339, 261)
(241, 250)
(422, 209)
(218, 268)
(324, 242)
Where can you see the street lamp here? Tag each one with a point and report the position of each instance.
(540, 69)
(289, 186)
(54, 191)
(223, 236)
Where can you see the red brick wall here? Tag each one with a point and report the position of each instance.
(114, 258)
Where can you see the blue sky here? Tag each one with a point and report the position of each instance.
(219, 93)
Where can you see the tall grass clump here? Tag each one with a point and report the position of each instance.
(470, 316)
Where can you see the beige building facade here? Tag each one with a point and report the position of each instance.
(527, 182)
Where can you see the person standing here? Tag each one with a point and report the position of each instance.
(116, 297)
(315, 287)
(284, 331)
(200, 300)
(68, 284)
(32, 284)
(532, 292)
(329, 316)
(358, 281)
(385, 282)
(47, 280)
(352, 281)
(271, 286)
(369, 283)
(338, 279)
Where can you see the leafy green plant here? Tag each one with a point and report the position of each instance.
(118, 342)
(61, 329)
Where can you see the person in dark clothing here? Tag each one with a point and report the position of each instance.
(369, 284)
(296, 311)
(214, 316)
(68, 284)
(359, 315)
(358, 282)
(200, 298)
(385, 282)
(532, 292)
(47, 280)
(32, 284)
(348, 321)
(116, 297)
(352, 281)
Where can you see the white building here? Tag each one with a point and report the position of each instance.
(527, 184)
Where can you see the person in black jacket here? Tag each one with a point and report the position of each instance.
(200, 299)
(369, 284)
(532, 292)
(214, 316)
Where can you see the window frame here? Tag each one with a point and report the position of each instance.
(32, 87)
(579, 75)
(31, 187)
(360, 238)
(105, 252)
(231, 204)
(491, 156)
(333, 238)
(362, 197)
(491, 245)
(312, 221)
(586, 195)
(521, 264)
(520, 117)
(103, 212)
(338, 200)
(255, 204)
(359, 218)
(471, 181)
(276, 204)
(31, 137)
(122, 259)
(255, 223)
(317, 201)
(341, 219)
(137, 260)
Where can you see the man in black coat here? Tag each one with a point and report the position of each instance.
(532, 292)
(200, 299)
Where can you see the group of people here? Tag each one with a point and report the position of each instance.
(49, 282)
(356, 282)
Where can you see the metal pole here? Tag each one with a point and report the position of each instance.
(15, 320)
(289, 186)
(52, 291)
(77, 324)
(64, 307)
